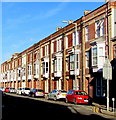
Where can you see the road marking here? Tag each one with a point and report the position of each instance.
(72, 109)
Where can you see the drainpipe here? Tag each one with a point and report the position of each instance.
(64, 86)
(50, 65)
(107, 32)
(32, 75)
(83, 56)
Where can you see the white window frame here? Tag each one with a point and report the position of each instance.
(94, 56)
(66, 41)
(77, 61)
(102, 27)
(59, 44)
(37, 68)
(87, 33)
(29, 69)
(87, 59)
(46, 50)
(45, 67)
(72, 62)
(99, 28)
(52, 47)
(24, 71)
(35, 71)
(75, 38)
(58, 64)
(55, 65)
(98, 53)
(72, 67)
(101, 55)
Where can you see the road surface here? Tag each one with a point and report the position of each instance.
(17, 107)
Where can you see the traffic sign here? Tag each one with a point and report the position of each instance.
(107, 70)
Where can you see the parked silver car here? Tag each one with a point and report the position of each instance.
(25, 91)
(56, 94)
(36, 93)
(18, 91)
(12, 90)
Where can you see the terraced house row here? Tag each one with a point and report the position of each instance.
(70, 58)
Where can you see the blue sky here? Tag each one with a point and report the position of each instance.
(26, 23)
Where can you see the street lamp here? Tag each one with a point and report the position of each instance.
(74, 47)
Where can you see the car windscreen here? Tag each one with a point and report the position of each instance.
(81, 93)
(27, 88)
(62, 91)
(40, 91)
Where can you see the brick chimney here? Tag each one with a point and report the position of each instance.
(58, 28)
(86, 12)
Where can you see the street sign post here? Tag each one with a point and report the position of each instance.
(107, 75)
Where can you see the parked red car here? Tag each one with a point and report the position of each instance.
(7, 89)
(77, 96)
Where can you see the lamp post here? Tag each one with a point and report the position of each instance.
(74, 47)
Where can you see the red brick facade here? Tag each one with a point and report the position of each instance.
(49, 64)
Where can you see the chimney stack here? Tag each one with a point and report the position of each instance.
(86, 12)
(58, 28)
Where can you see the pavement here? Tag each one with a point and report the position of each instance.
(110, 113)
(103, 110)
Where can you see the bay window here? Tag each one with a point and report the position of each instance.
(98, 56)
(46, 67)
(34, 69)
(101, 55)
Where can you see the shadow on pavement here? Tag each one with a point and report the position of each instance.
(17, 108)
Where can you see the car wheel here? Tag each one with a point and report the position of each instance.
(75, 101)
(66, 100)
(33, 95)
(55, 98)
(30, 95)
(47, 97)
